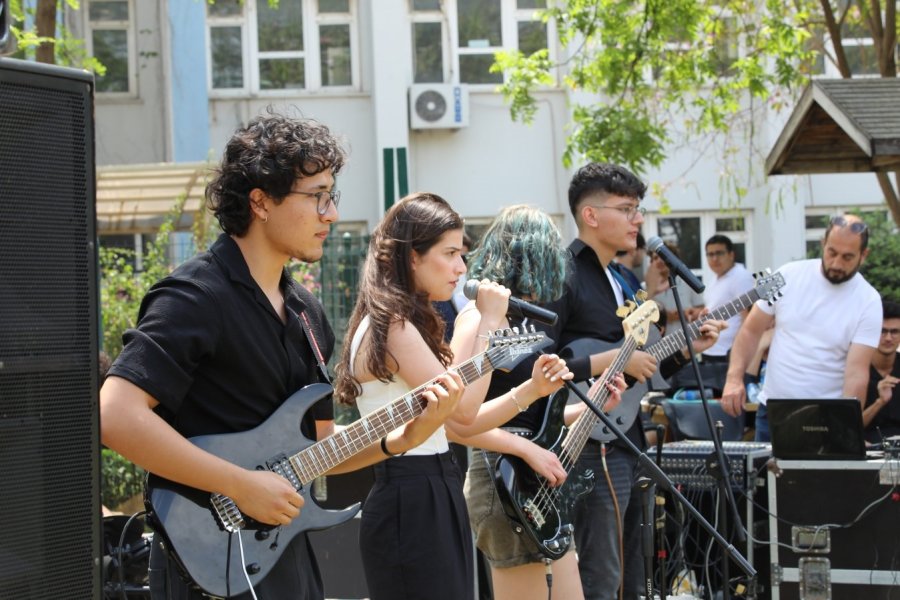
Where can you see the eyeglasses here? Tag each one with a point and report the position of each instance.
(890, 332)
(322, 199)
(716, 254)
(630, 212)
(855, 226)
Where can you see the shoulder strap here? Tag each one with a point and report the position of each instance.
(314, 344)
(629, 293)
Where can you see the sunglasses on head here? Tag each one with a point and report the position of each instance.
(855, 226)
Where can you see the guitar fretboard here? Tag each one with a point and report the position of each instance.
(578, 436)
(326, 454)
(674, 342)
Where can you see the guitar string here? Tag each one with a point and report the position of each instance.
(325, 454)
(581, 430)
(668, 345)
(360, 435)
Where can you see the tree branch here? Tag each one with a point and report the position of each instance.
(45, 25)
(834, 32)
(891, 197)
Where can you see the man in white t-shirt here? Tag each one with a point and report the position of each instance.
(827, 326)
(731, 280)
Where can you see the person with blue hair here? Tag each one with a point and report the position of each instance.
(523, 251)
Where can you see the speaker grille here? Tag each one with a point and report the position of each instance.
(49, 524)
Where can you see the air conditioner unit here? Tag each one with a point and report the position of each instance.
(438, 106)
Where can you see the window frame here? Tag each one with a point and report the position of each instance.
(117, 25)
(311, 55)
(510, 17)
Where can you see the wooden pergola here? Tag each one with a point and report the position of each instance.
(841, 126)
(844, 126)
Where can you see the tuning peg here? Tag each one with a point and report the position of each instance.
(515, 330)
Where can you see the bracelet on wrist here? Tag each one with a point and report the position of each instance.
(387, 452)
(512, 394)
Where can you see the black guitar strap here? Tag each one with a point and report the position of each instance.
(314, 344)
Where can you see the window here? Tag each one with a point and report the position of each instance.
(735, 228)
(479, 29)
(690, 231)
(428, 34)
(110, 37)
(300, 45)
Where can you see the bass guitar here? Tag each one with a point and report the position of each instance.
(203, 530)
(766, 288)
(544, 512)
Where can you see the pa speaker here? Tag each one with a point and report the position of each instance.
(49, 439)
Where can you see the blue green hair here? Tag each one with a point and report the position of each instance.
(523, 250)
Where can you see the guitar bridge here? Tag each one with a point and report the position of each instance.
(227, 513)
(534, 513)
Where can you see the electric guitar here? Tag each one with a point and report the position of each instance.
(203, 530)
(544, 511)
(766, 288)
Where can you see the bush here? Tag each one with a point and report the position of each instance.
(882, 266)
(120, 479)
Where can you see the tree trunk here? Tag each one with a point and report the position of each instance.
(891, 197)
(45, 24)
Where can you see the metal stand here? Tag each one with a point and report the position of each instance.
(718, 465)
(664, 483)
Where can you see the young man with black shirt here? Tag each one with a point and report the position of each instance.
(604, 200)
(229, 335)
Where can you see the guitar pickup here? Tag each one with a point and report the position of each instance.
(281, 465)
(534, 513)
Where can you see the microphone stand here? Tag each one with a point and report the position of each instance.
(652, 470)
(717, 464)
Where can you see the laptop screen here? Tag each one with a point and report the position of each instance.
(816, 429)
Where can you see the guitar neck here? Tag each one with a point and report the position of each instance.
(581, 429)
(326, 454)
(674, 342)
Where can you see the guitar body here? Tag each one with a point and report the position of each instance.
(187, 522)
(545, 513)
(629, 408)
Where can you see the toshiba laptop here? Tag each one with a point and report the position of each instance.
(816, 429)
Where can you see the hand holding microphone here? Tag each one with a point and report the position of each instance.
(517, 308)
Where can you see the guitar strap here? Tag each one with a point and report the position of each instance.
(630, 294)
(314, 344)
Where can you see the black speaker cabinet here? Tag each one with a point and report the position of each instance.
(49, 442)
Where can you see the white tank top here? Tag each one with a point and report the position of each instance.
(376, 394)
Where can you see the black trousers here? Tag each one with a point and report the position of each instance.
(414, 536)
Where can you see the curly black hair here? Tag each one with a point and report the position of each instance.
(270, 153)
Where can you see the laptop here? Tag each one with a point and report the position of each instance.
(816, 429)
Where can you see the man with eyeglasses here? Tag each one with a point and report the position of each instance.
(731, 280)
(882, 413)
(826, 328)
(604, 200)
(226, 338)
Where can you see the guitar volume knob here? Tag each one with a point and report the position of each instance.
(253, 568)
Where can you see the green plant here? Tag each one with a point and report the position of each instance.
(882, 266)
(120, 479)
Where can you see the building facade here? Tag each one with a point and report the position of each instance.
(407, 83)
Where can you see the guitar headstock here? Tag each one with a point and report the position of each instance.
(637, 324)
(768, 285)
(508, 347)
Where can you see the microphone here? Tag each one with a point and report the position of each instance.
(517, 308)
(655, 244)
